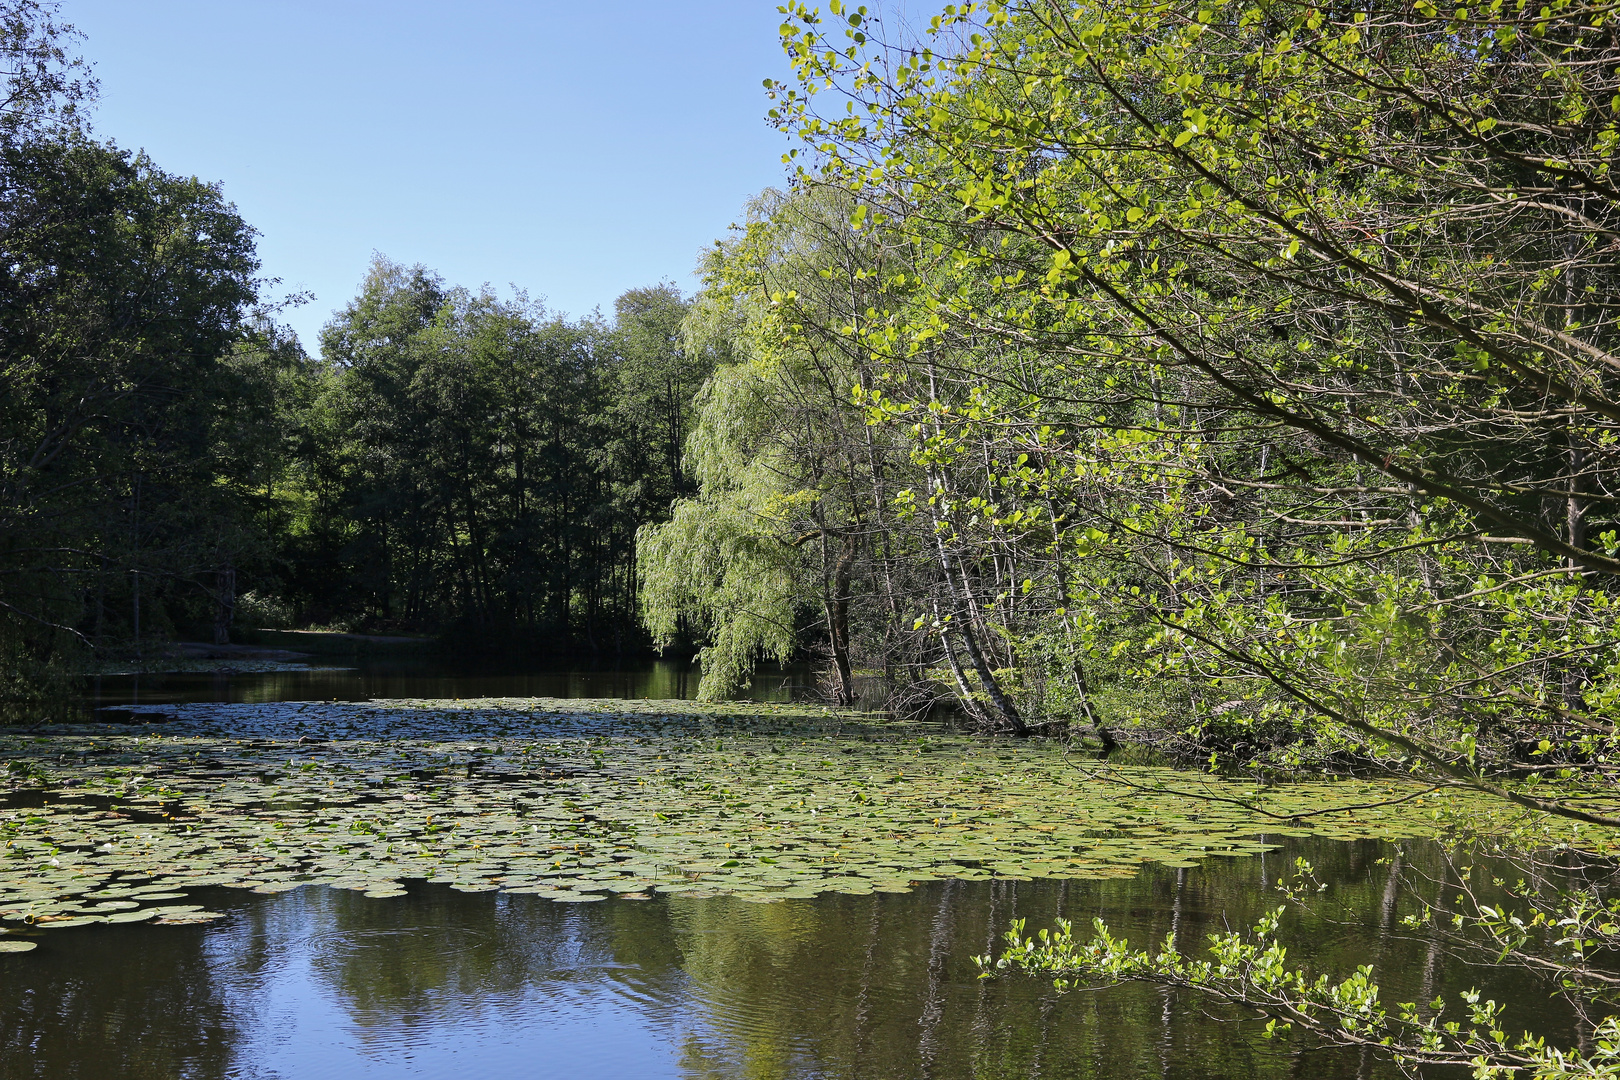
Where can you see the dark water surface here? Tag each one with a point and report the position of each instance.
(323, 982)
(366, 679)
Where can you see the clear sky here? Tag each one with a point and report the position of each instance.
(571, 149)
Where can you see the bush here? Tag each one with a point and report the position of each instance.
(261, 612)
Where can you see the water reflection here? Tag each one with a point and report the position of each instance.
(324, 982)
(416, 678)
(109, 1004)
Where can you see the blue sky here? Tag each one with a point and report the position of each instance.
(571, 149)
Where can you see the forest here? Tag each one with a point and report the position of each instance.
(177, 465)
(1238, 379)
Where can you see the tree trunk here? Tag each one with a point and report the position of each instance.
(961, 604)
(224, 603)
(970, 705)
(838, 618)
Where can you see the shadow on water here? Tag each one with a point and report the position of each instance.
(327, 983)
(417, 678)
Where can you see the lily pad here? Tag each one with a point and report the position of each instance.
(190, 918)
(131, 916)
(579, 799)
(63, 922)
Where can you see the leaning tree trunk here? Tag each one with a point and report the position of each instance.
(964, 616)
(1007, 713)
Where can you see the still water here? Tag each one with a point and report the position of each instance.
(413, 678)
(323, 982)
(328, 983)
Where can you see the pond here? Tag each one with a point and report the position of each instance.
(544, 887)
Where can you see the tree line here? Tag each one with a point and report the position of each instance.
(173, 463)
(462, 462)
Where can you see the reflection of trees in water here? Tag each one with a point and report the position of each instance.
(857, 987)
(419, 676)
(110, 1002)
(876, 986)
(442, 953)
(883, 985)
(845, 987)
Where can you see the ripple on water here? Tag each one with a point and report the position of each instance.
(422, 940)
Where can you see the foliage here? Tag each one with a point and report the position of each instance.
(452, 462)
(481, 463)
(655, 384)
(1282, 339)
(1546, 924)
(1281, 336)
(1250, 970)
(127, 292)
(782, 451)
(719, 562)
(779, 540)
(47, 87)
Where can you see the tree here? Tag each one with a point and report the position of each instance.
(47, 87)
(656, 378)
(124, 291)
(487, 463)
(1332, 289)
(790, 535)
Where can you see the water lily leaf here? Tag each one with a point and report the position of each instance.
(131, 916)
(602, 796)
(63, 922)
